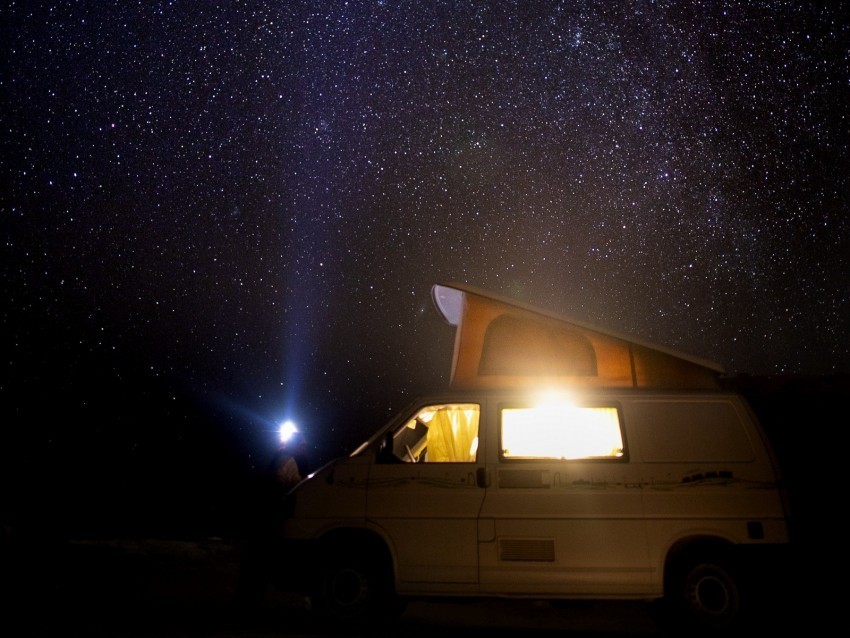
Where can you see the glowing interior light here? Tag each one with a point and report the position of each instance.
(287, 429)
(553, 399)
(556, 430)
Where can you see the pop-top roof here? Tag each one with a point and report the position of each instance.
(501, 343)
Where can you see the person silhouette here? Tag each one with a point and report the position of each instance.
(285, 469)
(284, 472)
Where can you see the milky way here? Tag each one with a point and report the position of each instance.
(249, 201)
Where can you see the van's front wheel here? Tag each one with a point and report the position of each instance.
(352, 590)
(348, 590)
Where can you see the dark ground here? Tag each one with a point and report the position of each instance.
(179, 588)
(159, 583)
(155, 588)
(171, 588)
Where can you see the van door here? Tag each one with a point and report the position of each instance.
(563, 513)
(423, 493)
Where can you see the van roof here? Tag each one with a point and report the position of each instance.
(501, 343)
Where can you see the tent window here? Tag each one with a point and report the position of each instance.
(513, 346)
(445, 433)
(561, 432)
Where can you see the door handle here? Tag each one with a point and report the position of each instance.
(482, 477)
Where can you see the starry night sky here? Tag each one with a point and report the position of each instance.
(221, 214)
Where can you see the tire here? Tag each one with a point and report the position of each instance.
(353, 591)
(706, 595)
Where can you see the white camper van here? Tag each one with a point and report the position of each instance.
(563, 462)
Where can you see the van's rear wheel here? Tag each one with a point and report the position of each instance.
(706, 594)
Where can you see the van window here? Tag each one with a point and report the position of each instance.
(692, 431)
(561, 432)
(445, 433)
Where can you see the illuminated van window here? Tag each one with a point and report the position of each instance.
(561, 432)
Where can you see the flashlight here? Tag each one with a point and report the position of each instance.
(287, 429)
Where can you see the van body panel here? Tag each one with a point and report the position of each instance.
(430, 510)
(578, 530)
(337, 490)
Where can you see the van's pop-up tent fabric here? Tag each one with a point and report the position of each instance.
(501, 343)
